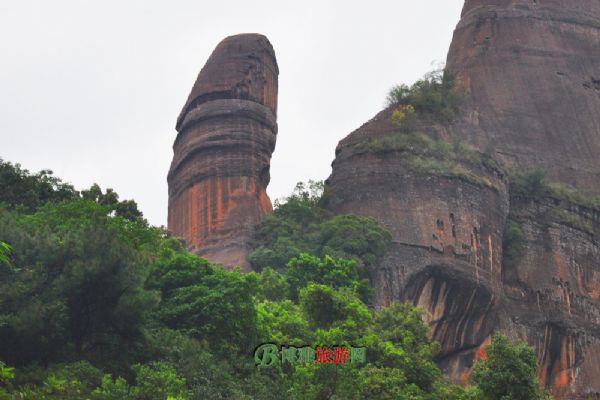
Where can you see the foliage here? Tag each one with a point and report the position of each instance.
(534, 184)
(126, 209)
(6, 373)
(4, 253)
(218, 308)
(21, 188)
(334, 273)
(400, 355)
(155, 381)
(283, 322)
(28, 192)
(204, 300)
(325, 307)
(513, 243)
(425, 155)
(436, 95)
(301, 225)
(508, 372)
(572, 219)
(77, 289)
(98, 305)
(273, 285)
(404, 117)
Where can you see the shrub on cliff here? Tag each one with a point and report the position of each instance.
(513, 243)
(425, 155)
(534, 184)
(436, 95)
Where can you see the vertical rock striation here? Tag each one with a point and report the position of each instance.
(226, 135)
(532, 69)
(447, 227)
(552, 292)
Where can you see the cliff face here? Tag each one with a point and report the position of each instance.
(552, 292)
(531, 71)
(226, 135)
(447, 228)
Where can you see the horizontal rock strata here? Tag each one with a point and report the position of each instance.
(226, 135)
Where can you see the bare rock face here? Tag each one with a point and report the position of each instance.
(552, 292)
(532, 69)
(226, 135)
(447, 228)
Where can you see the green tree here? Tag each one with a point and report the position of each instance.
(334, 273)
(350, 236)
(77, 289)
(513, 242)
(273, 285)
(508, 372)
(284, 323)
(302, 225)
(158, 381)
(153, 381)
(28, 192)
(22, 189)
(207, 301)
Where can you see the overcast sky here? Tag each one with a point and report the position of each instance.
(92, 89)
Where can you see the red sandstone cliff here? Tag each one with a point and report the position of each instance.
(532, 70)
(532, 74)
(226, 135)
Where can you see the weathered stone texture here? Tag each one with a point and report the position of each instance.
(447, 256)
(552, 292)
(532, 70)
(226, 135)
(446, 253)
(532, 74)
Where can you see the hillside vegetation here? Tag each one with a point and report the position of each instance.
(97, 304)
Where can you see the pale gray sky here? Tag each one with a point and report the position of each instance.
(92, 89)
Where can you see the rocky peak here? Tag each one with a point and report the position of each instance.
(226, 135)
(532, 70)
(531, 73)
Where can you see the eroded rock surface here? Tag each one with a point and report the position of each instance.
(226, 135)
(447, 229)
(552, 292)
(532, 70)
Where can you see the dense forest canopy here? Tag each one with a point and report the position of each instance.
(97, 304)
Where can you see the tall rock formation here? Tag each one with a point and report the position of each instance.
(446, 223)
(531, 69)
(226, 135)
